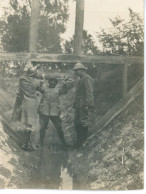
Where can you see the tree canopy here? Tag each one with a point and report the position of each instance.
(125, 37)
(14, 29)
(88, 45)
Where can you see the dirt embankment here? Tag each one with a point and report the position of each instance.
(15, 165)
(112, 160)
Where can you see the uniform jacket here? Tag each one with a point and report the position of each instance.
(84, 92)
(27, 90)
(50, 103)
(28, 87)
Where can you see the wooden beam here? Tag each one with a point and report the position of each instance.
(14, 56)
(79, 27)
(34, 23)
(70, 58)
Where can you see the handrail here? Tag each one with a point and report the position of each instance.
(68, 58)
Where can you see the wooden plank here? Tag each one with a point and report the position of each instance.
(134, 60)
(14, 56)
(70, 58)
(125, 81)
(33, 40)
(79, 27)
(117, 109)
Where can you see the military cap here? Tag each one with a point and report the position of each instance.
(79, 66)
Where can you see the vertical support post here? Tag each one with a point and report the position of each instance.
(79, 27)
(34, 23)
(125, 80)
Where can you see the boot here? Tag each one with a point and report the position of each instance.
(34, 140)
(61, 136)
(26, 145)
(81, 136)
(42, 137)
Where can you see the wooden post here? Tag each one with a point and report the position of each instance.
(79, 27)
(125, 80)
(33, 40)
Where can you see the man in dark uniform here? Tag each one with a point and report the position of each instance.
(84, 102)
(49, 107)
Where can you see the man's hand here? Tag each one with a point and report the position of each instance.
(66, 78)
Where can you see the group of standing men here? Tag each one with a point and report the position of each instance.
(35, 114)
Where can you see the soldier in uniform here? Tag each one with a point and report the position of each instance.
(83, 104)
(49, 107)
(28, 86)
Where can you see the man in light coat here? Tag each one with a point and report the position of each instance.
(83, 104)
(28, 86)
(49, 108)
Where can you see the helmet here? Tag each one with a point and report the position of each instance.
(79, 66)
(31, 71)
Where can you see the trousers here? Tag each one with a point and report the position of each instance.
(44, 120)
(81, 125)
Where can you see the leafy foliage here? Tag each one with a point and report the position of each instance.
(88, 45)
(125, 38)
(15, 28)
(54, 15)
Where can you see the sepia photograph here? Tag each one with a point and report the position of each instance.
(72, 95)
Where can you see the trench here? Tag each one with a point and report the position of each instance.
(53, 166)
(52, 170)
(50, 166)
(97, 166)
